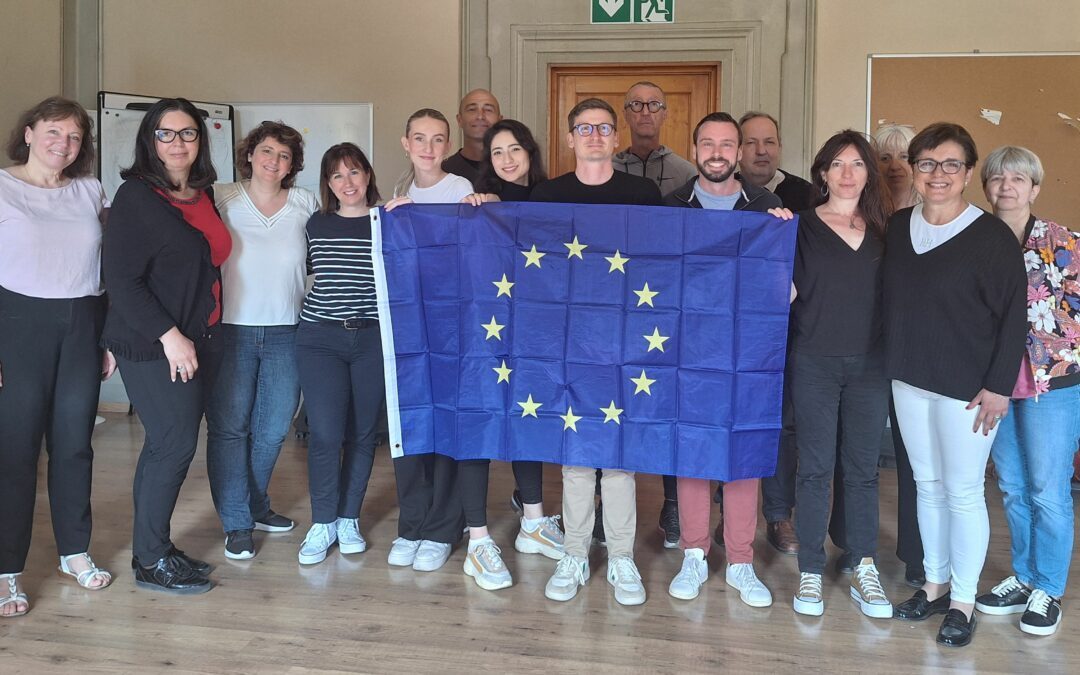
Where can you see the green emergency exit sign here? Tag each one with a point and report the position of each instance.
(632, 11)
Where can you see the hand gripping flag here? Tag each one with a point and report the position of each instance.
(639, 338)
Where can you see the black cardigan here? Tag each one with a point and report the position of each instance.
(158, 273)
(955, 319)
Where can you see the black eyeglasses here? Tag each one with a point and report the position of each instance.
(585, 129)
(169, 135)
(948, 166)
(653, 106)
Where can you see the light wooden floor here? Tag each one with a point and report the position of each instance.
(355, 613)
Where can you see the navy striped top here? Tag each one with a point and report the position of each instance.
(339, 255)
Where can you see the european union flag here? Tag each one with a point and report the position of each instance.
(640, 338)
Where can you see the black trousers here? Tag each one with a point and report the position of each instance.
(171, 413)
(472, 479)
(825, 389)
(51, 368)
(341, 375)
(778, 491)
(429, 501)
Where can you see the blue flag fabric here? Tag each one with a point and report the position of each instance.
(640, 338)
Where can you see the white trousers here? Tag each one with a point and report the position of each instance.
(949, 463)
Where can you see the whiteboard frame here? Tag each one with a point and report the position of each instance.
(307, 104)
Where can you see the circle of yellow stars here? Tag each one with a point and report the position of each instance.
(617, 263)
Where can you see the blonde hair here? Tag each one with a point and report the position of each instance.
(401, 188)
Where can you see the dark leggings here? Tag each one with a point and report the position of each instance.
(473, 486)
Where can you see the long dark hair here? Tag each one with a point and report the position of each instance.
(55, 108)
(874, 201)
(354, 158)
(148, 167)
(489, 180)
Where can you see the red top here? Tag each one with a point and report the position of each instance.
(200, 214)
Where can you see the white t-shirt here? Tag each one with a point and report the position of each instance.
(450, 190)
(262, 282)
(926, 237)
(50, 238)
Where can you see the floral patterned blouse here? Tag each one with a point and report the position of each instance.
(1052, 262)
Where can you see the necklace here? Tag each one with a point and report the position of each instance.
(851, 219)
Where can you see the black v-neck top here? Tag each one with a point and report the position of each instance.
(837, 311)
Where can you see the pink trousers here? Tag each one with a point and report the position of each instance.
(740, 516)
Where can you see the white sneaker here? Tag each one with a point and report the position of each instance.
(742, 578)
(403, 552)
(624, 577)
(545, 539)
(318, 541)
(695, 571)
(570, 573)
(484, 563)
(348, 536)
(808, 600)
(867, 592)
(430, 556)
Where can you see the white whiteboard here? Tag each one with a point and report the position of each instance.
(322, 125)
(119, 116)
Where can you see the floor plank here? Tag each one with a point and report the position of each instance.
(357, 614)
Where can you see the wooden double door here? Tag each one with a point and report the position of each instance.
(691, 90)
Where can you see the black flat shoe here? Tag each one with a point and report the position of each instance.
(956, 630)
(918, 608)
(171, 575)
(914, 576)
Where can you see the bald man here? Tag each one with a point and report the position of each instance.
(645, 110)
(476, 113)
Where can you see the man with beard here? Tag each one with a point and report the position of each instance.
(717, 150)
(476, 113)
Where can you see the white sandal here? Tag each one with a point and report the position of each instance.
(83, 578)
(13, 597)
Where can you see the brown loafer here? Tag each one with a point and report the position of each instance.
(781, 535)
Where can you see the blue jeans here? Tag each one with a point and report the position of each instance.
(1033, 453)
(251, 407)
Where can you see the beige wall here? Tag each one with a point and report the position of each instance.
(30, 45)
(849, 30)
(399, 56)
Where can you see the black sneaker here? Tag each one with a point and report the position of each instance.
(200, 567)
(669, 523)
(171, 575)
(274, 522)
(914, 576)
(516, 503)
(239, 545)
(598, 525)
(844, 564)
(1043, 614)
(1008, 597)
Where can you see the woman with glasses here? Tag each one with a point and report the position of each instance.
(161, 257)
(258, 386)
(1034, 449)
(51, 312)
(955, 330)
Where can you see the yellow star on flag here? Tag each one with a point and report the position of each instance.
(504, 286)
(645, 296)
(570, 419)
(642, 383)
(532, 256)
(617, 262)
(575, 248)
(611, 413)
(494, 328)
(529, 407)
(504, 373)
(656, 340)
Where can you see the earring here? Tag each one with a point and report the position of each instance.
(824, 189)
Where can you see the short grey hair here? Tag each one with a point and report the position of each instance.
(1012, 158)
(893, 137)
(644, 83)
(757, 113)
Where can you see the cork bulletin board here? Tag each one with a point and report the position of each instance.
(1032, 100)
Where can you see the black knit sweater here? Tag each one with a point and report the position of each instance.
(955, 318)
